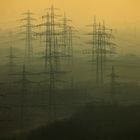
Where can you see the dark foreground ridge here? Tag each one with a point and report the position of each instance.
(96, 122)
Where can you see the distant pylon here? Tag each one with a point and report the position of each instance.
(11, 60)
(113, 83)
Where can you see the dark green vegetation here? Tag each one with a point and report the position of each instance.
(97, 122)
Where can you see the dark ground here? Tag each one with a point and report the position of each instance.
(97, 122)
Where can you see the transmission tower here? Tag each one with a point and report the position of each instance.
(54, 52)
(11, 57)
(24, 82)
(29, 35)
(101, 42)
(67, 44)
(51, 57)
(66, 30)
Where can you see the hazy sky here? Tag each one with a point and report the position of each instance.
(122, 15)
(115, 12)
